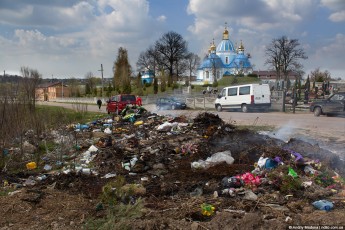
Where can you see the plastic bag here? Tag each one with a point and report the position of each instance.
(323, 205)
(214, 160)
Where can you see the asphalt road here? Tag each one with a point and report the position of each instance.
(326, 131)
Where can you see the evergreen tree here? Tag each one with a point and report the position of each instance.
(87, 89)
(155, 85)
(139, 85)
(163, 81)
(122, 72)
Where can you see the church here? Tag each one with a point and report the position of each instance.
(224, 60)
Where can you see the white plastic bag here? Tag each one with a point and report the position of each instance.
(215, 159)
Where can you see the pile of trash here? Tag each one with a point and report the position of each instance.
(192, 172)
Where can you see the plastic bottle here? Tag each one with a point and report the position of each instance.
(323, 205)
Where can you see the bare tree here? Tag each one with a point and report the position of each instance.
(283, 55)
(193, 61)
(148, 60)
(320, 76)
(170, 48)
(91, 82)
(31, 79)
(74, 87)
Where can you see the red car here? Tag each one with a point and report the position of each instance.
(117, 103)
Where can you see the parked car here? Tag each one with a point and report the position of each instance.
(170, 103)
(117, 103)
(334, 105)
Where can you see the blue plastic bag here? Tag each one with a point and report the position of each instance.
(323, 205)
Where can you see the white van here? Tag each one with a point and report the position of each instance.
(244, 97)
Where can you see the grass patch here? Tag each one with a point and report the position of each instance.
(120, 206)
(60, 115)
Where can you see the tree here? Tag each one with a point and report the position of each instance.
(148, 60)
(109, 90)
(320, 76)
(91, 83)
(31, 79)
(170, 49)
(155, 85)
(74, 88)
(163, 81)
(307, 84)
(122, 71)
(193, 61)
(139, 85)
(283, 55)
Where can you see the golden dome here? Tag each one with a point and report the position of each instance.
(241, 47)
(226, 33)
(213, 46)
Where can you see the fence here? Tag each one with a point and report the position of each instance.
(200, 102)
(197, 101)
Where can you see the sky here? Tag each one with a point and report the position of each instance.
(71, 38)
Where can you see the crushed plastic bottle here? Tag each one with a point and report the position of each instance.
(292, 173)
(323, 205)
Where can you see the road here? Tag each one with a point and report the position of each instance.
(327, 131)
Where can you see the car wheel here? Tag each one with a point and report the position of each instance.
(158, 107)
(317, 111)
(244, 108)
(173, 107)
(219, 108)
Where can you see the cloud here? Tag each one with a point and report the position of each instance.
(57, 17)
(258, 15)
(264, 19)
(338, 7)
(162, 18)
(330, 55)
(72, 36)
(338, 16)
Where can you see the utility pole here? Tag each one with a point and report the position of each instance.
(102, 79)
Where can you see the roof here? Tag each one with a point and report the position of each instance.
(225, 46)
(48, 84)
(213, 60)
(271, 74)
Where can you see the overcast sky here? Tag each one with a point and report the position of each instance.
(69, 38)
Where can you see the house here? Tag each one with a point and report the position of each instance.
(270, 77)
(48, 91)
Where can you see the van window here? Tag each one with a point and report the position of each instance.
(245, 90)
(232, 91)
(223, 93)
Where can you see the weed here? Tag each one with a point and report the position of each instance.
(121, 207)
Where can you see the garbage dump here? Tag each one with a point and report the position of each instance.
(145, 171)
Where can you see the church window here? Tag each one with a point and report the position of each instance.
(226, 60)
(207, 75)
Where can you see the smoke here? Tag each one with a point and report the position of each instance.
(285, 132)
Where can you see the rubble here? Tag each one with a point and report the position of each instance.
(189, 173)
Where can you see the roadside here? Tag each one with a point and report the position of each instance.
(329, 132)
